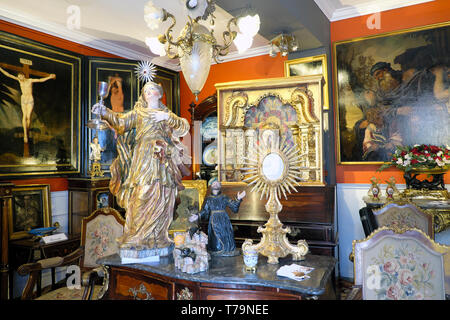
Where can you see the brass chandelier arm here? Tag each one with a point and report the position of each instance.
(228, 37)
(167, 37)
(188, 37)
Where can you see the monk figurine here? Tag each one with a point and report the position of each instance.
(220, 231)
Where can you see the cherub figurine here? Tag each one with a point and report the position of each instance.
(95, 157)
(96, 150)
(374, 191)
(220, 231)
(391, 190)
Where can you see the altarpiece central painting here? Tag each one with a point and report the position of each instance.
(251, 113)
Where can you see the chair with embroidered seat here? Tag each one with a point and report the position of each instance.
(99, 232)
(404, 214)
(400, 264)
(98, 239)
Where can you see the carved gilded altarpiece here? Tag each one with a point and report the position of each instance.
(269, 111)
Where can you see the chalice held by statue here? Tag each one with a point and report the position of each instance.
(96, 122)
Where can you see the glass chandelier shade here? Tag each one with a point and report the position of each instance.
(195, 66)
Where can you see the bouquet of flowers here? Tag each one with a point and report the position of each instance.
(426, 156)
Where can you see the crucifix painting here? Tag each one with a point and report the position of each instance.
(40, 96)
(26, 86)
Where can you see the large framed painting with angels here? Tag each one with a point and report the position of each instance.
(272, 113)
(392, 89)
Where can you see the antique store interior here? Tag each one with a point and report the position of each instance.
(225, 149)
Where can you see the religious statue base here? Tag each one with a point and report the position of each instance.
(138, 255)
(190, 254)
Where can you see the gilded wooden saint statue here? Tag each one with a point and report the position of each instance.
(146, 175)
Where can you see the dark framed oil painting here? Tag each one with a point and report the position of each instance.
(40, 96)
(123, 91)
(31, 209)
(190, 201)
(392, 90)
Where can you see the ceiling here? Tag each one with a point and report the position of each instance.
(118, 26)
(344, 9)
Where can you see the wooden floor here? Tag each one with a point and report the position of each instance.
(344, 288)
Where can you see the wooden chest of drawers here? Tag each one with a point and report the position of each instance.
(225, 280)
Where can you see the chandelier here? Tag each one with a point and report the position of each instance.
(284, 43)
(196, 46)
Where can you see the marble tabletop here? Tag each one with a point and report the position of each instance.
(423, 203)
(230, 270)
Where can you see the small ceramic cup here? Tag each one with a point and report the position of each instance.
(250, 260)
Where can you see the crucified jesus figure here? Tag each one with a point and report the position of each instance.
(26, 100)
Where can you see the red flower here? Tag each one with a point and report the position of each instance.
(403, 153)
(435, 149)
(414, 161)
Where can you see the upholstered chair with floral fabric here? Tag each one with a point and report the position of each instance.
(400, 264)
(98, 239)
(99, 232)
(404, 214)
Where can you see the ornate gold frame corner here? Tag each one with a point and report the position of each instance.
(323, 58)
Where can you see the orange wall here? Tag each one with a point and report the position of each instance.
(403, 18)
(57, 183)
(246, 69)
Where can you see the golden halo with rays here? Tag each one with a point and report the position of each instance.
(286, 174)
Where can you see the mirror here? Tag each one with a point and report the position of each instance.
(272, 167)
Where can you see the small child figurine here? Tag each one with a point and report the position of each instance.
(96, 150)
(220, 231)
(391, 190)
(95, 157)
(374, 191)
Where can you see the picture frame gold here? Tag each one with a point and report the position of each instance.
(31, 208)
(309, 66)
(405, 53)
(191, 201)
